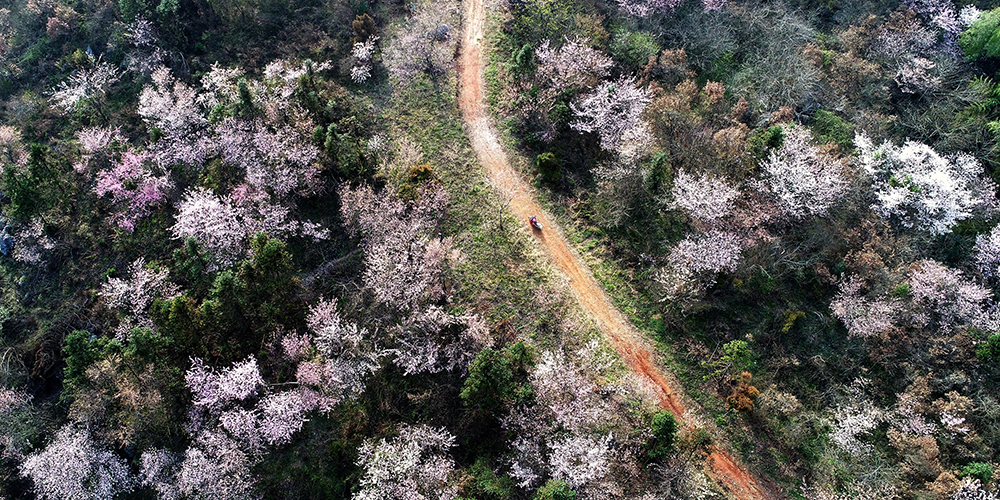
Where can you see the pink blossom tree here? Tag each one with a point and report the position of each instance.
(864, 317)
(158, 471)
(12, 150)
(646, 8)
(432, 341)
(278, 162)
(211, 221)
(347, 355)
(395, 241)
(133, 187)
(413, 466)
(224, 225)
(946, 295)
(986, 253)
(216, 468)
(74, 467)
(212, 389)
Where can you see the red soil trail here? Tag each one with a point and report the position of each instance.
(721, 466)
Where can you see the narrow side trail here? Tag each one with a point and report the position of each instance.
(725, 469)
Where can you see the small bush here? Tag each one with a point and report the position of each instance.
(828, 127)
(420, 173)
(548, 167)
(555, 490)
(664, 428)
(982, 39)
(634, 48)
(989, 350)
(979, 470)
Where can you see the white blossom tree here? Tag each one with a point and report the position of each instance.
(805, 180)
(85, 84)
(169, 105)
(611, 110)
(74, 467)
(705, 197)
(920, 189)
(134, 295)
(573, 65)
(413, 466)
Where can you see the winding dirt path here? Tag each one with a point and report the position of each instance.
(725, 469)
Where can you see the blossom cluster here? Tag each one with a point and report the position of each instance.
(920, 189)
(573, 65)
(135, 190)
(704, 197)
(413, 466)
(805, 180)
(611, 110)
(135, 294)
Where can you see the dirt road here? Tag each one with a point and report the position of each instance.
(726, 470)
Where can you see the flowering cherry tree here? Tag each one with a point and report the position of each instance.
(611, 110)
(920, 189)
(705, 197)
(212, 389)
(398, 269)
(277, 162)
(224, 225)
(413, 466)
(432, 341)
(85, 84)
(573, 65)
(348, 355)
(134, 295)
(710, 252)
(133, 187)
(986, 253)
(216, 468)
(362, 53)
(646, 8)
(947, 296)
(12, 150)
(864, 317)
(561, 436)
(213, 222)
(74, 467)
(169, 105)
(805, 180)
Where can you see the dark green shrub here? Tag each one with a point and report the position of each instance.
(80, 350)
(828, 127)
(989, 350)
(764, 140)
(634, 48)
(664, 428)
(555, 490)
(548, 167)
(488, 484)
(979, 470)
(982, 39)
(497, 378)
